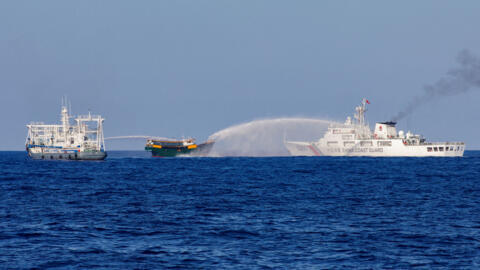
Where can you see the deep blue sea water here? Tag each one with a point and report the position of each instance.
(133, 211)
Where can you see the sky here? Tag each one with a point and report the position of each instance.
(191, 68)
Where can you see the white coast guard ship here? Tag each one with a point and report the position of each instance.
(354, 138)
(81, 141)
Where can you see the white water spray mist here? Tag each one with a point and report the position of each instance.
(265, 137)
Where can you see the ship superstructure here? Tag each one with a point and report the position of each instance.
(82, 140)
(355, 138)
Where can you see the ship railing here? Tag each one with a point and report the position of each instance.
(91, 146)
(42, 126)
(168, 140)
(89, 118)
(345, 125)
(340, 125)
(442, 143)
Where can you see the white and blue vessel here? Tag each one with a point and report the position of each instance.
(80, 141)
(355, 138)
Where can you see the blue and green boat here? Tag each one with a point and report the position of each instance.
(172, 148)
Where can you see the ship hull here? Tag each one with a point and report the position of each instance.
(61, 154)
(302, 149)
(168, 152)
(394, 148)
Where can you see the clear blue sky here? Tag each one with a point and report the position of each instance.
(173, 68)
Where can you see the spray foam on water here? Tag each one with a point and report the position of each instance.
(266, 137)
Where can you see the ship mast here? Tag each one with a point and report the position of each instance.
(360, 115)
(65, 119)
(363, 131)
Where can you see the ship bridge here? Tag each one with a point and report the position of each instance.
(385, 130)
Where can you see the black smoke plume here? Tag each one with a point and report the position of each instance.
(457, 81)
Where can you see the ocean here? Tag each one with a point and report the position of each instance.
(133, 211)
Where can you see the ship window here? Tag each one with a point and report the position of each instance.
(451, 148)
(458, 148)
(384, 143)
(435, 149)
(366, 143)
(348, 143)
(440, 148)
(429, 149)
(446, 148)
